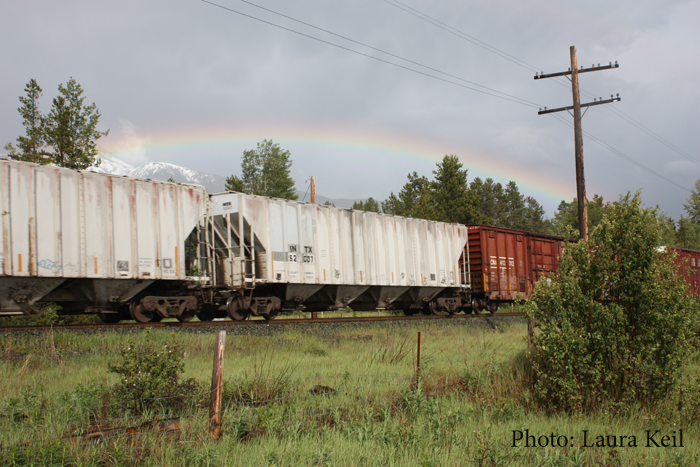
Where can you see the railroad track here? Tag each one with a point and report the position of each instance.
(253, 322)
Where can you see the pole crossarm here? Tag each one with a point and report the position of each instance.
(590, 104)
(581, 70)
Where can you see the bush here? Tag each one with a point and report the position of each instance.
(614, 321)
(150, 379)
(49, 315)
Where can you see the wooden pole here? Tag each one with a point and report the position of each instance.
(418, 358)
(313, 190)
(580, 180)
(217, 383)
(314, 315)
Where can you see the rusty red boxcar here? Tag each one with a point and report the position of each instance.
(504, 264)
(689, 262)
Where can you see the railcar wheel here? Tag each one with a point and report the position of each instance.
(234, 307)
(110, 318)
(140, 315)
(207, 313)
(186, 317)
(271, 315)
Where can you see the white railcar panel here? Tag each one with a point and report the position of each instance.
(350, 269)
(391, 254)
(308, 253)
(48, 223)
(359, 248)
(277, 242)
(335, 268)
(22, 211)
(5, 255)
(324, 244)
(146, 233)
(292, 243)
(98, 226)
(440, 262)
(72, 232)
(168, 217)
(123, 228)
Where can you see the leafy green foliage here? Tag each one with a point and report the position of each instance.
(49, 314)
(266, 171)
(615, 321)
(150, 378)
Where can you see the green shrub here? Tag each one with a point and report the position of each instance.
(149, 379)
(49, 315)
(615, 321)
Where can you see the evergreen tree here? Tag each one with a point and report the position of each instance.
(688, 234)
(489, 201)
(233, 183)
(693, 206)
(266, 171)
(370, 205)
(450, 192)
(392, 205)
(70, 128)
(30, 148)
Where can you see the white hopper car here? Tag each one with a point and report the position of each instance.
(138, 249)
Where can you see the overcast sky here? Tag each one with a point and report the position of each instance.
(193, 84)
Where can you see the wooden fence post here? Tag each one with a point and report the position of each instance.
(418, 358)
(217, 383)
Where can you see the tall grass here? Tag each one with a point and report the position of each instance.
(343, 399)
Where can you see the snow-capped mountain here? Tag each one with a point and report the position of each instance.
(213, 183)
(161, 171)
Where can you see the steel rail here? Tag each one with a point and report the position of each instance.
(254, 322)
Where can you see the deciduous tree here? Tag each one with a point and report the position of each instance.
(615, 320)
(266, 171)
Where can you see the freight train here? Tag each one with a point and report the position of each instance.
(126, 248)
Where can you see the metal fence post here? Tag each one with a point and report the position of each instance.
(217, 382)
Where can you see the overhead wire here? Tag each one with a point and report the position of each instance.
(385, 52)
(559, 80)
(561, 119)
(514, 99)
(475, 41)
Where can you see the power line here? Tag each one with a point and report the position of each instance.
(619, 153)
(511, 99)
(524, 64)
(384, 51)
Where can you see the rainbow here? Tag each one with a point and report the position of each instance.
(315, 146)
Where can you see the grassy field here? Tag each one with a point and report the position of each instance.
(342, 398)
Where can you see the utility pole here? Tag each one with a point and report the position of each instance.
(313, 190)
(574, 71)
